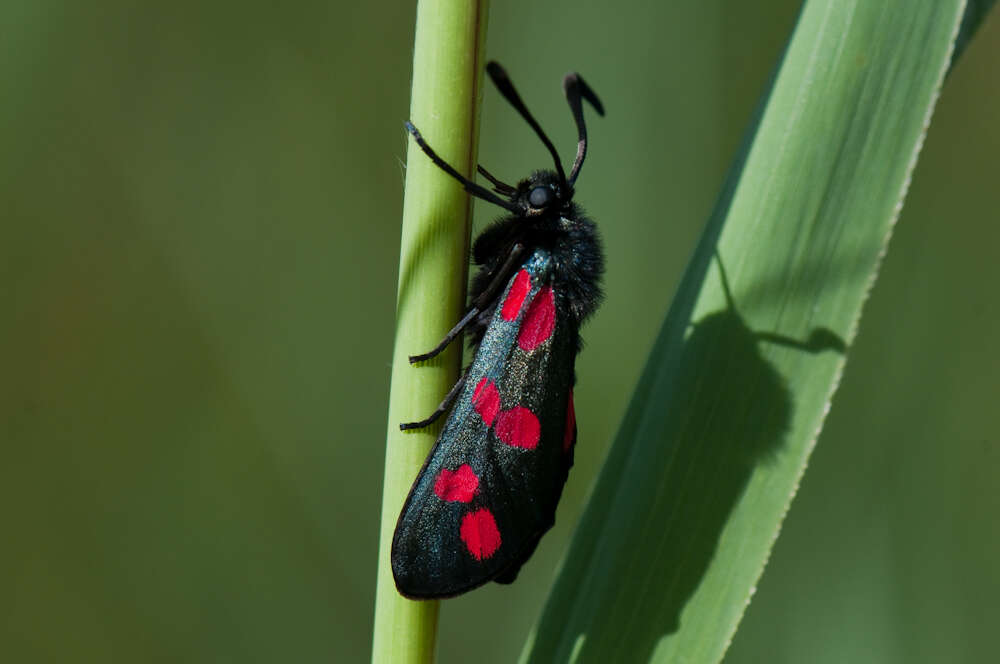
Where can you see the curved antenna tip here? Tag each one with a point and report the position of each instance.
(574, 79)
(506, 88)
(576, 89)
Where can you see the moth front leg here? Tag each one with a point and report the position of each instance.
(477, 306)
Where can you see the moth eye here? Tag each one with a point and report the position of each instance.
(541, 197)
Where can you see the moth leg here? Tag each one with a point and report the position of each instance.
(441, 409)
(448, 338)
(477, 306)
(501, 276)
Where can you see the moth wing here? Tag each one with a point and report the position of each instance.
(490, 486)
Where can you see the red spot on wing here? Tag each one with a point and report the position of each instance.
(518, 427)
(458, 485)
(539, 321)
(515, 296)
(569, 437)
(486, 400)
(480, 534)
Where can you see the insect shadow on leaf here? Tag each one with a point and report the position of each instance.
(731, 414)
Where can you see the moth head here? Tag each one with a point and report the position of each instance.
(542, 194)
(544, 191)
(549, 191)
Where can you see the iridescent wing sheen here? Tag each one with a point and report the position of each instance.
(490, 485)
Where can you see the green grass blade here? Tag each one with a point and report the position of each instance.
(683, 517)
(447, 73)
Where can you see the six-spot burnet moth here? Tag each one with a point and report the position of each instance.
(489, 488)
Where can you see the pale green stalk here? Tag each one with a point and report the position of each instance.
(447, 72)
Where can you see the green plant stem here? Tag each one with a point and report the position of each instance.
(447, 72)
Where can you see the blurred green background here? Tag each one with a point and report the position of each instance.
(200, 240)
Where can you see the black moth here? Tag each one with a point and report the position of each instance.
(489, 488)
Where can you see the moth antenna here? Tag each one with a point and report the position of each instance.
(470, 186)
(575, 88)
(506, 88)
(498, 186)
